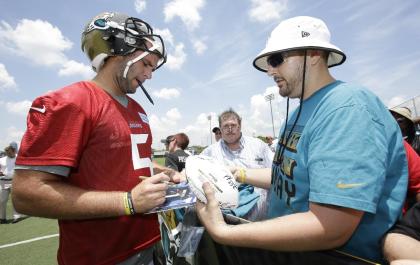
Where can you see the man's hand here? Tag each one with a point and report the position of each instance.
(210, 215)
(235, 171)
(175, 176)
(150, 193)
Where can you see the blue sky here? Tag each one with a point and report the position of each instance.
(211, 46)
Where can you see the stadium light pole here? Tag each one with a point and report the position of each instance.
(269, 98)
(209, 118)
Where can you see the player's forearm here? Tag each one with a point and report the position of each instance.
(296, 232)
(279, 235)
(37, 195)
(258, 177)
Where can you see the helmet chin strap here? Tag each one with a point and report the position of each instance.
(138, 58)
(131, 62)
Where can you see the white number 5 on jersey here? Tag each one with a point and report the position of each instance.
(139, 162)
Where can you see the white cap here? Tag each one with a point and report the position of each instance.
(299, 33)
(14, 145)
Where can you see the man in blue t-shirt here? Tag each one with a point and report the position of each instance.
(339, 175)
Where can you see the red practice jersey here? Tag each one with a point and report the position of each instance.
(107, 146)
(413, 174)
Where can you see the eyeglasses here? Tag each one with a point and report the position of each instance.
(275, 59)
(230, 127)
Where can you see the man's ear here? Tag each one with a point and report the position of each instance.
(315, 56)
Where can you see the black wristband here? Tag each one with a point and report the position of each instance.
(130, 203)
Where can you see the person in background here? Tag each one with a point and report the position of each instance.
(403, 116)
(339, 176)
(402, 244)
(217, 133)
(176, 145)
(7, 168)
(87, 148)
(238, 151)
(272, 143)
(171, 221)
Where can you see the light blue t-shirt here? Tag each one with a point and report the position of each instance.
(345, 150)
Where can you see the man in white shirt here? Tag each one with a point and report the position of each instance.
(236, 150)
(7, 168)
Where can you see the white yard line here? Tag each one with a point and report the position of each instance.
(28, 241)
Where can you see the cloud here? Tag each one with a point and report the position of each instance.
(267, 10)
(186, 10)
(198, 131)
(167, 93)
(392, 22)
(166, 35)
(12, 134)
(74, 68)
(20, 108)
(6, 80)
(162, 126)
(395, 101)
(176, 55)
(259, 113)
(139, 5)
(199, 46)
(41, 43)
(173, 114)
(177, 59)
(36, 40)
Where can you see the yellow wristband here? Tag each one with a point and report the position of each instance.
(126, 205)
(242, 175)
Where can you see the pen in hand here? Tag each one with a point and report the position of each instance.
(166, 182)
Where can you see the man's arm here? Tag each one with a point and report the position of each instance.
(258, 177)
(174, 175)
(322, 227)
(399, 246)
(38, 193)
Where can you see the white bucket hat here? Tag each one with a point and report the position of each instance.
(299, 33)
(403, 111)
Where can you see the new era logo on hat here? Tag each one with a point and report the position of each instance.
(305, 34)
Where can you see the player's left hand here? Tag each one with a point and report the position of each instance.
(210, 214)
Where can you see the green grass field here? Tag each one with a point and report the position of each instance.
(39, 252)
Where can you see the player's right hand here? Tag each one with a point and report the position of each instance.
(150, 193)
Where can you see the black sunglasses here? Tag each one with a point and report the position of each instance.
(275, 59)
